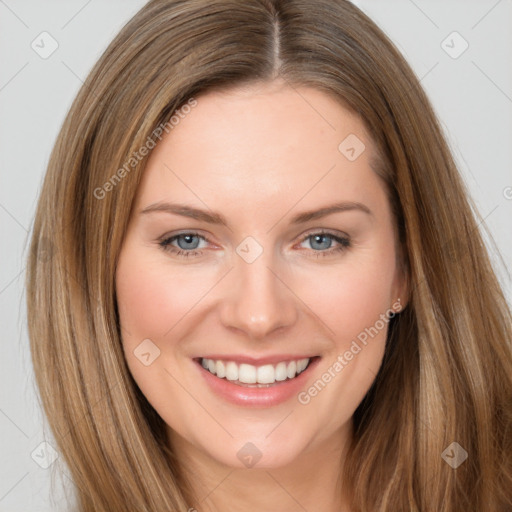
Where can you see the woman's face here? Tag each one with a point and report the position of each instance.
(236, 253)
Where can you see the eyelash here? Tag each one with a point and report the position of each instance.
(344, 244)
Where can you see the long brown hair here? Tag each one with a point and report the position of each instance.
(447, 371)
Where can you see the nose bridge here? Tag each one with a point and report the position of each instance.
(257, 302)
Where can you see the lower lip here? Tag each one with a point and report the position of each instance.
(257, 397)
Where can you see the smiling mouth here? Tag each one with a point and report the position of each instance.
(248, 375)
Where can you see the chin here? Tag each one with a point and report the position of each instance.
(258, 452)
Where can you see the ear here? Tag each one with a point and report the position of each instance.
(401, 289)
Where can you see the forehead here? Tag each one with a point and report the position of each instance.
(260, 143)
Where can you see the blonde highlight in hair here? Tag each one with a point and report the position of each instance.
(447, 371)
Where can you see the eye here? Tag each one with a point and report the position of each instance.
(322, 243)
(187, 244)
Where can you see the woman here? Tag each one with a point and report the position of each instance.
(333, 339)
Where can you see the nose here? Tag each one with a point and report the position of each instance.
(257, 301)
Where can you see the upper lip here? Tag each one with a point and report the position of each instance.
(256, 361)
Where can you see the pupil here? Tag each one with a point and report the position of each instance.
(318, 238)
(188, 240)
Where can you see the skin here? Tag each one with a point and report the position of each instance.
(259, 155)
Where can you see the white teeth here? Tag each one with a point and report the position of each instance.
(231, 371)
(291, 370)
(301, 365)
(221, 369)
(280, 372)
(249, 374)
(266, 374)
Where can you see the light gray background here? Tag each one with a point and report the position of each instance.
(472, 95)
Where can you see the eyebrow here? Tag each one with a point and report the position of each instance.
(217, 218)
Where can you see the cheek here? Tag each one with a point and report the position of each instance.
(352, 302)
(153, 297)
(350, 297)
